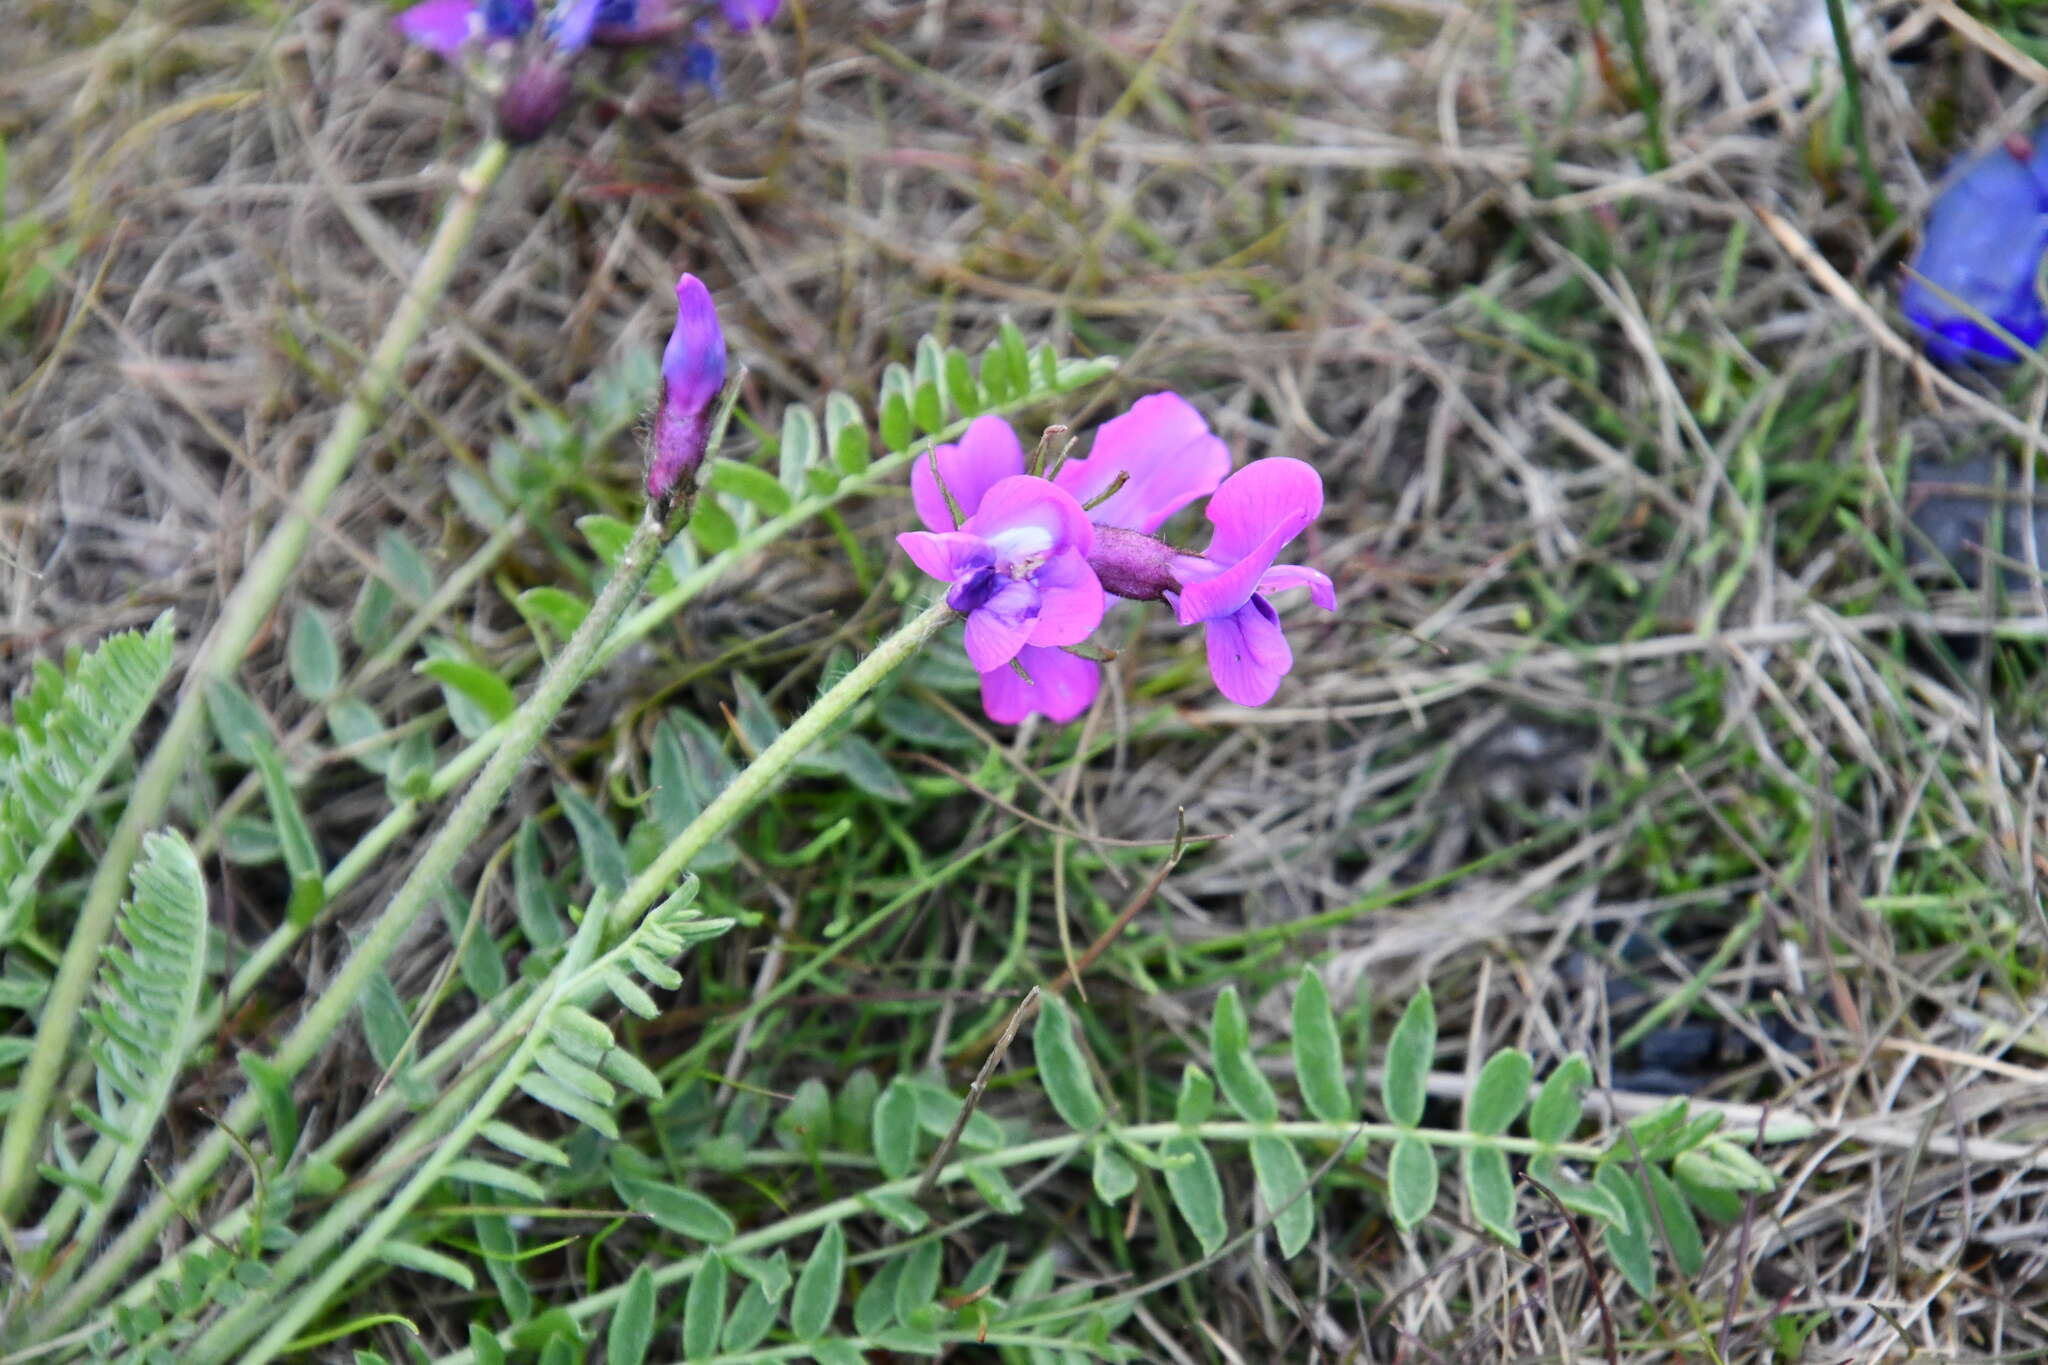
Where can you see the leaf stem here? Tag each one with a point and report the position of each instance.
(1051, 1149)
(242, 617)
(449, 1128)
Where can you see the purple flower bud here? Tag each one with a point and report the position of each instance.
(692, 373)
(746, 14)
(533, 99)
(1133, 565)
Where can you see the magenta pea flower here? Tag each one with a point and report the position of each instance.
(1018, 569)
(1256, 512)
(692, 373)
(1166, 457)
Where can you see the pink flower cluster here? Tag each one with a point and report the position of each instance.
(1032, 560)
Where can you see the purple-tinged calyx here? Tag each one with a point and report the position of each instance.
(1256, 512)
(533, 99)
(1133, 565)
(692, 373)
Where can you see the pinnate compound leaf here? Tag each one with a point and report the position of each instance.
(1283, 1184)
(1318, 1055)
(1237, 1071)
(1062, 1068)
(1411, 1181)
(632, 1326)
(1196, 1191)
(1499, 1093)
(1410, 1053)
(149, 989)
(70, 727)
(819, 1286)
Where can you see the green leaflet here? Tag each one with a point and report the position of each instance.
(69, 730)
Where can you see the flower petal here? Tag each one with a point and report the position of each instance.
(1248, 653)
(693, 362)
(1062, 686)
(1256, 500)
(1167, 450)
(998, 628)
(1228, 586)
(1281, 577)
(987, 452)
(441, 26)
(1982, 246)
(1070, 601)
(746, 14)
(1024, 502)
(945, 555)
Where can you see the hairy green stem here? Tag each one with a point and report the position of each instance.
(242, 616)
(340, 1241)
(451, 843)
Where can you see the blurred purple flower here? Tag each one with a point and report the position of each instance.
(746, 14)
(1256, 512)
(1018, 568)
(1983, 246)
(692, 373)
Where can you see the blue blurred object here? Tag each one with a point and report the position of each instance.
(1983, 245)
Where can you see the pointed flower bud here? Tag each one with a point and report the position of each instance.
(692, 373)
(532, 100)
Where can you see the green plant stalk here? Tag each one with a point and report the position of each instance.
(458, 769)
(453, 1125)
(1637, 34)
(241, 618)
(362, 1125)
(1054, 1149)
(450, 844)
(340, 1241)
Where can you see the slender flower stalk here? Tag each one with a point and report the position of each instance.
(454, 840)
(242, 617)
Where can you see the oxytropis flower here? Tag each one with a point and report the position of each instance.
(1018, 568)
(1982, 247)
(535, 94)
(692, 373)
(1157, 458)
(1256, 512)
